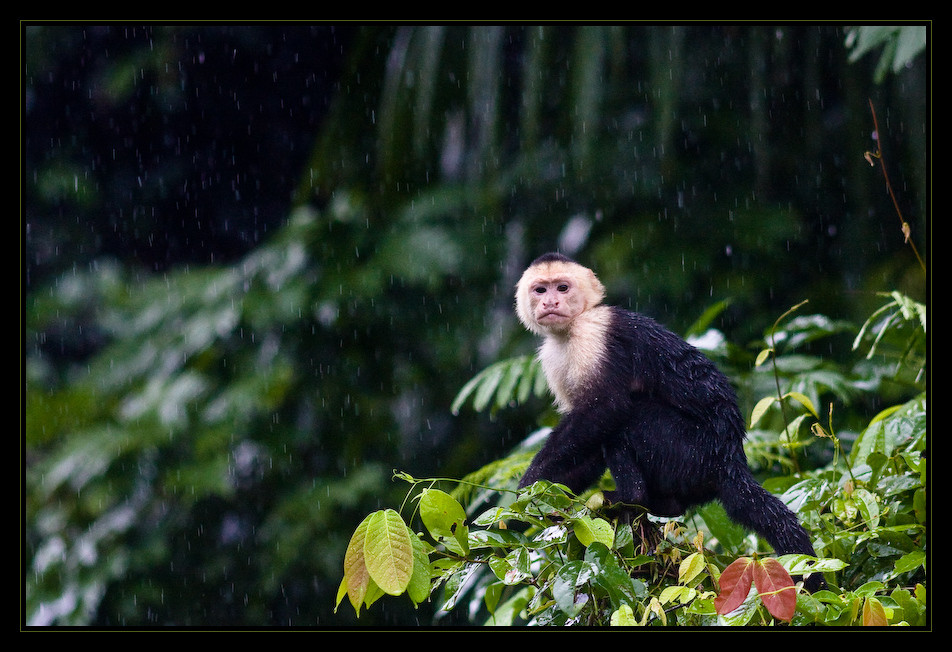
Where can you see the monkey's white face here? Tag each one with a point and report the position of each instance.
(551, 295)
(555, 302)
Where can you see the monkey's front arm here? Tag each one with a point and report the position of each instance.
(575, 452)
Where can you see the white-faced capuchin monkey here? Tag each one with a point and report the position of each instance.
(641, 401)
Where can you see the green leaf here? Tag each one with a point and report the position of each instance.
(762, 406)
(868, 507)
(419, 587)
(681, 594)
(728, 533)
(708, 316)
(892, 428)
(611, 578)
(690, 567)
(910, 562)
(508, 611)
(513, 379)
(356, 579)
(804, 401)
(513, 568)
(444, 518)
(388, 552)
(901, 44)
(589, 530)
(527, 381)
(571, 575)
(492, 596)
(623, 617)
(491, 379)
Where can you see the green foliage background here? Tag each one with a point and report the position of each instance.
(237, 324)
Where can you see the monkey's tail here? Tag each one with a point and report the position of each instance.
(749, 504)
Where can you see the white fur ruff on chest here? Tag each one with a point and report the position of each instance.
(572, 362)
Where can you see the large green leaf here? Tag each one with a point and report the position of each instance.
(388, 552)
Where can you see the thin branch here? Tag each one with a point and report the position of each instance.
(878, 154)
(776, 372)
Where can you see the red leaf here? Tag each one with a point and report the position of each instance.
(776, 589)
(735, 585)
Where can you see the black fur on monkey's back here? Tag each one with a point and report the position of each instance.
(665, 421)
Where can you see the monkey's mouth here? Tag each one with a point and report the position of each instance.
(552, 315)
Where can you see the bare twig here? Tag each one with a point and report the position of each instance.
(878, 154)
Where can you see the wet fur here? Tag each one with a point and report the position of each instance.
(641, 401)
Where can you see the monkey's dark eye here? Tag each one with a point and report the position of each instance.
(540, 290)
(563, 287)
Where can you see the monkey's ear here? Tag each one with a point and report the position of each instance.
(595, 290)
(523, 311)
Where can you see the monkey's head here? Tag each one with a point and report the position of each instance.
(553, 291)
